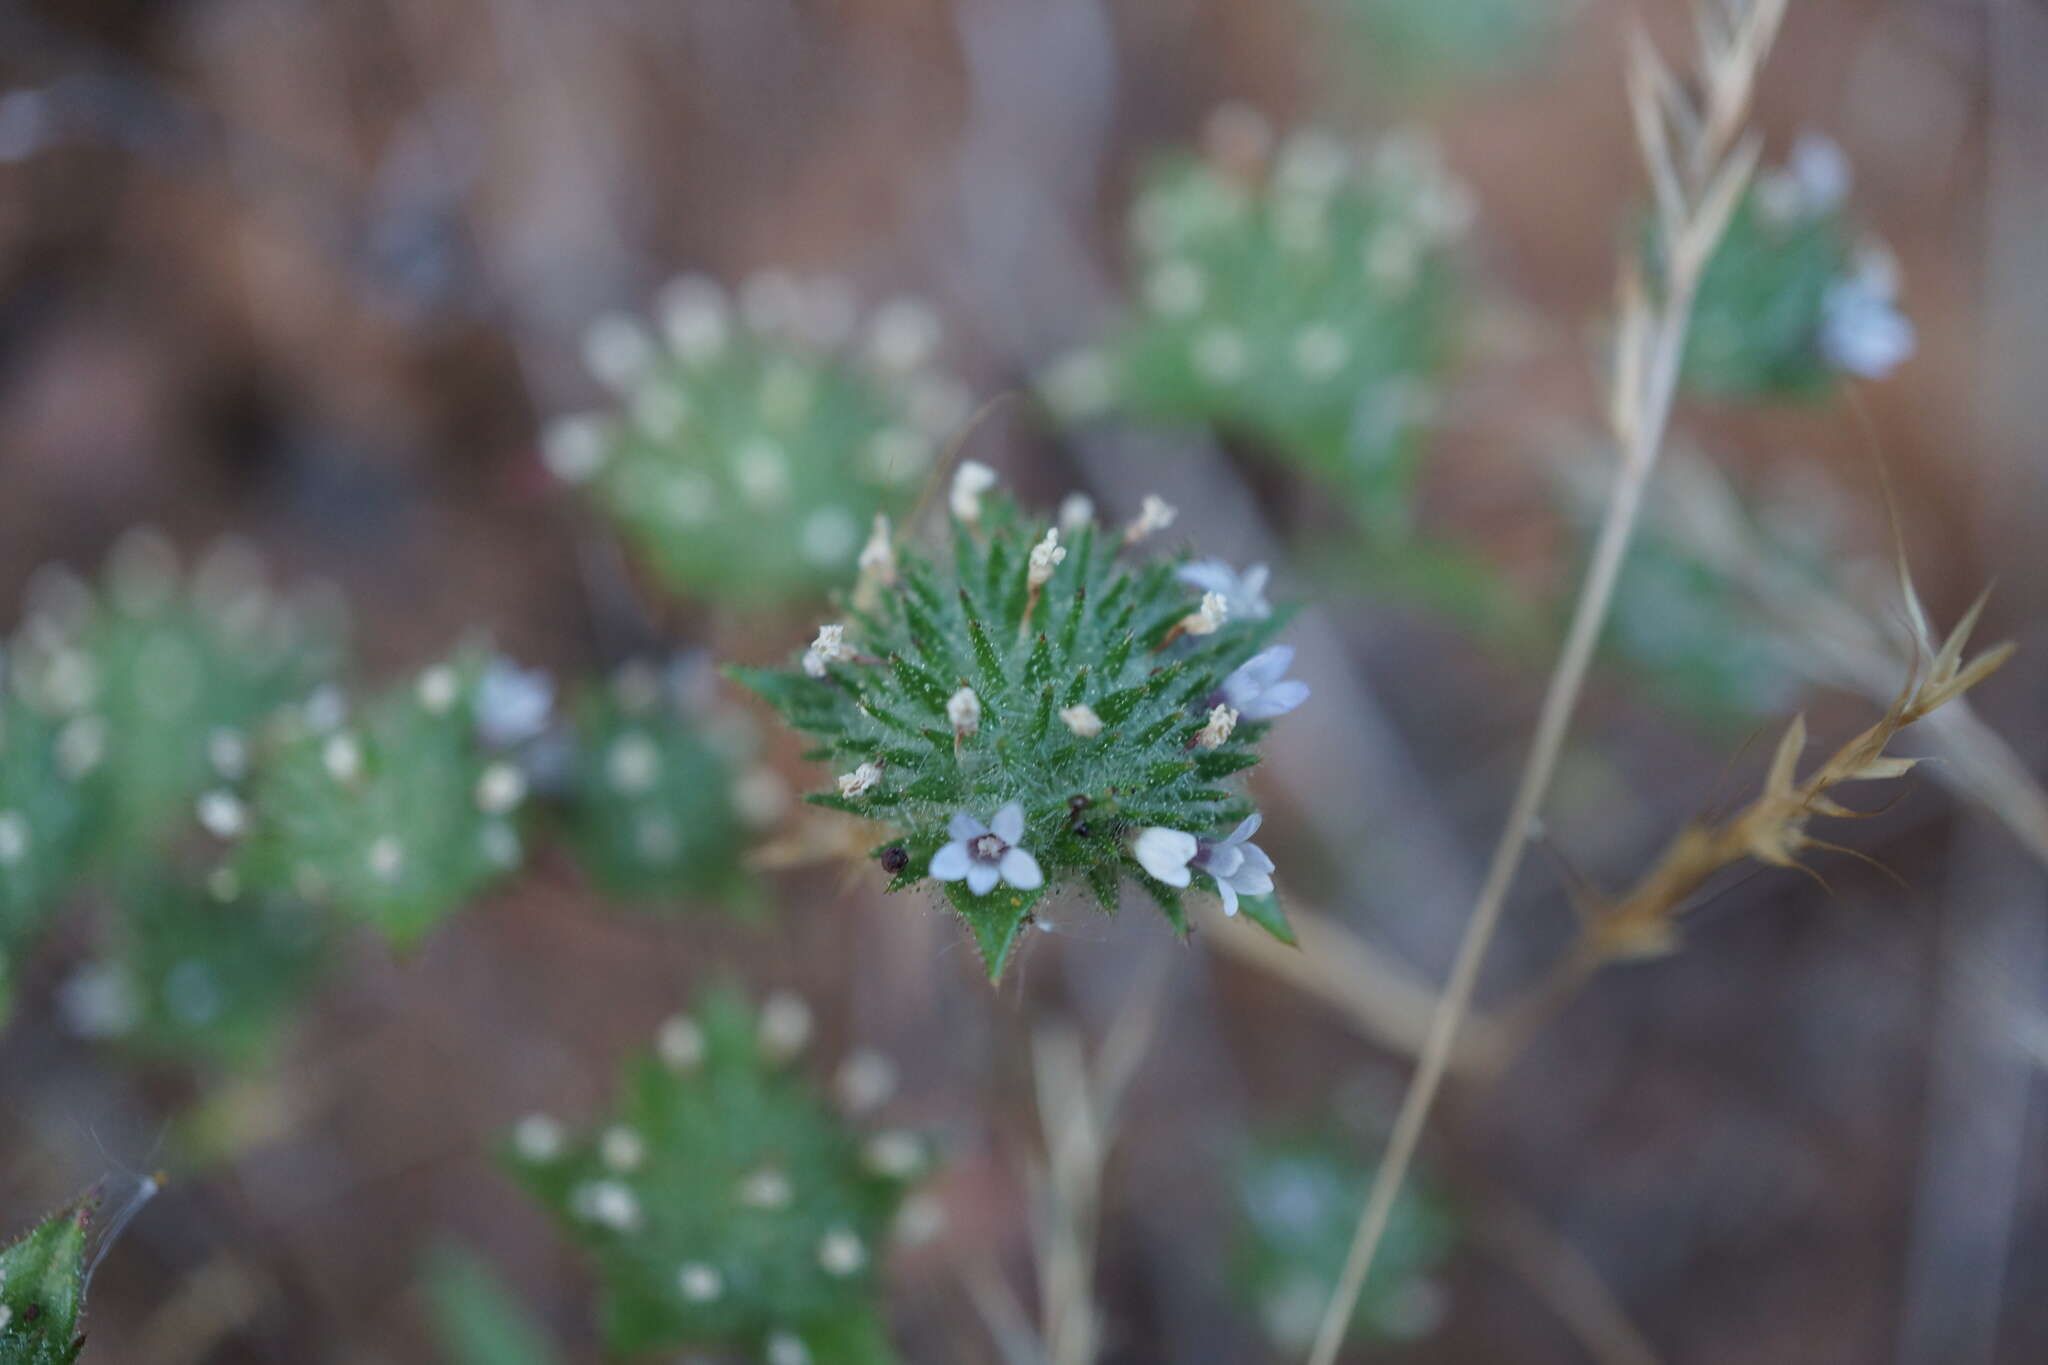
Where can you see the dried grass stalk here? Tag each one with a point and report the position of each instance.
(1697, 171)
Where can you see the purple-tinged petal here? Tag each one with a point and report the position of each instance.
(1229, 894)
(981, 877)
(1009, 824)
(1020, 870)
(1222, 860)
(1276, 700)
(1246, 828)
(964, 827)
(951, 862)
(1256, 861)
(1209, 575)
(1164, 853)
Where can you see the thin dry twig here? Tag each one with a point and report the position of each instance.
(1568, 1282)
(1697, 156)
(1378, 995)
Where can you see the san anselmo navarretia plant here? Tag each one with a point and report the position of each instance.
(1047, 705)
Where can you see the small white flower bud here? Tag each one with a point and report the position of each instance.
(681, 1043)
(1208, 618)
(1222, 720)
(860, 780)
(831, 646)
(222, 815)
(767, 1188)
(865, 1081)
(1082, 720)
(342, 756)
(538, 1137)
(1045, 557)
(500, 788)
(785, 1025)
(438, 688)
(1076, 511)
(970, 481)
(386, 857)
(14, 837)
(841, 1252)
(895, 1154)
(633, 763)
(963, 709)
(622, 1149)
(700, 1283)
(574, 448)
(1154, 514)
(877, 560)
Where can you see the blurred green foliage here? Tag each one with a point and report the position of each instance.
(1299, 295)
(1298, 1200)
(724, 1203)
(752, 447)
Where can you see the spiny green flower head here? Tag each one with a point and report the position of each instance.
(1298, 1202)
(752, 447)
(652, 806)
(1044, 709)
(158, 675)
(1298, 294)
(726, 1204)
(396, 816)
(1792, 300)
(193, 975)
(42, 1291)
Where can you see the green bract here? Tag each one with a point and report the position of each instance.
(1301, 299)
(42, 1291)
(1090, 703)
(1298, 1202)
(725, 1203)
(751, 451)
(396, 817)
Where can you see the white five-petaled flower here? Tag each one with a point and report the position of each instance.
(860, 780)
(1208, 618)
(970, 481)
(1165, 854)
(1082, 720)
(1222, 720)
(1239, 866)
(1244, 592)
(1154, 514)
(1260, 689)
(963, 709)
(983, 855)
(1045, 557)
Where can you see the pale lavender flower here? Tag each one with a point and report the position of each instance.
(1862, 330)
(512, 703)
(1259, 689)
(983, 855)
(1244, 593)
(1165, 853)
(1239, 866)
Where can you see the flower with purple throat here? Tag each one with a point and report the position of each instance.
(1238, 866)
(983, 855)
(1259, 688)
